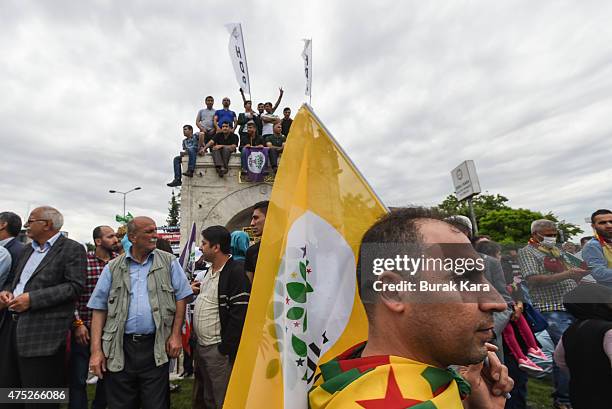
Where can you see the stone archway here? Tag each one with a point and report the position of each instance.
(208, 200)
(240, 220)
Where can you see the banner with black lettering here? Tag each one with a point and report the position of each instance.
(238, 56)
(307, 56)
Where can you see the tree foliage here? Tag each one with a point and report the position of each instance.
(173, 211)
(501, 222)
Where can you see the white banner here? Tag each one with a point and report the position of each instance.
(307, 56)
(238, 56)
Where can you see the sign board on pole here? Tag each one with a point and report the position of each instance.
(465, 180)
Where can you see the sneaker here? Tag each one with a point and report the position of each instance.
(93, 380)
(189, 173)
(526, 363)
(537, 353)
(174, 183)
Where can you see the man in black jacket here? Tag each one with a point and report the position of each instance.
(219, 314)
(49, 277)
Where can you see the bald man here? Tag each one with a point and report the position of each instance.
(39, 303)
(139, 308)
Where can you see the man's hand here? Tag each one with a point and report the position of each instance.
(281, 90)
(174, 345)
(97, 363)
(202, 152)
(490, 383)
(81, 335)
(195, 287)
(217, 147)
(5, 298)
(518, 311)
(577, 273)
(20, 303)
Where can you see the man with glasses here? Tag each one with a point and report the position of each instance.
(49, 277)
(550, 276)
(597, 252)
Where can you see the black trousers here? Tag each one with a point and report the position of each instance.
(273, 155)
(35, 372)
(221, 157)
(140, 383)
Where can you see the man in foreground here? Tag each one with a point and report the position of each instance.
(414, 337)
(139, 308)
(219, 314)
(40, 299)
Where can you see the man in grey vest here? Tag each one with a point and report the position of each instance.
(139, 308)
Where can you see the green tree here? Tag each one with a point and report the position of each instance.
(90, 246)
(173, 211)
(501, 222)
(482, 205)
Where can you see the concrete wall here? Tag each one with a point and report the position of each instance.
(211, 200)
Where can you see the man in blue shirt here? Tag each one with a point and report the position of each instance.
(190, 146)
(137, 320)
(597, 253)
(225, 115)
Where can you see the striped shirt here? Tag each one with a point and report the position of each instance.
(547, 297)
(206, 320)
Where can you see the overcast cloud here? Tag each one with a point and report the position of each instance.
(94, 95)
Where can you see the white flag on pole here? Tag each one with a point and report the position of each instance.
(307, 56)
(238, 56)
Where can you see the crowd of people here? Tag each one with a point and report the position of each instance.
(118, 312)
(222, 132)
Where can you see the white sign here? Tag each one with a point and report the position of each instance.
(307, 56)
(238, 56)
(465, 180)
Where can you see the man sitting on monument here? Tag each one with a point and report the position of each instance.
(276, 143)
(415, 336)
(223, 145)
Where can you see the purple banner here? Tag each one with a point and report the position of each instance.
(256, 163)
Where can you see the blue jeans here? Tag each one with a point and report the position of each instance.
(558, 322)
(79, 367)
(193, 154)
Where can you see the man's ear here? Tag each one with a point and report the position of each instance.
(391, 296)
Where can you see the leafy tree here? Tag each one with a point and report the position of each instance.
(503, 223)
(90, 246)
(173, 211)
(482, 205)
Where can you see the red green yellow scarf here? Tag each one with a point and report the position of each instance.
(385, 381)
(606, 247)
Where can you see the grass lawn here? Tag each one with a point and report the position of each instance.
(538, 396)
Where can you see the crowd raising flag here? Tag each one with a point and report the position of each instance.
(307, 56)
(238, 56)
(304, 307)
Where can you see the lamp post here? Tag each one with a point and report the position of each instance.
(124, 195)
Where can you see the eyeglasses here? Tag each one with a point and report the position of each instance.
(30, 221)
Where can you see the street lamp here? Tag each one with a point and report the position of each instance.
(124, 195)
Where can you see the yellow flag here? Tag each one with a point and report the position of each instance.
(304, 307)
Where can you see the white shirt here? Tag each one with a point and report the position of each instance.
(206, 321)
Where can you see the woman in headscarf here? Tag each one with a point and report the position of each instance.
(239, 244)
(586, 347)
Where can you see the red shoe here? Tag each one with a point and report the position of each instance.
(526, 363)
(537, 353)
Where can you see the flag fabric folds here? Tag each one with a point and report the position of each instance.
(238, 56)
(307, 57)
(304, 307)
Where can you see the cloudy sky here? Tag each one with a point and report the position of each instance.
(94, 95)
